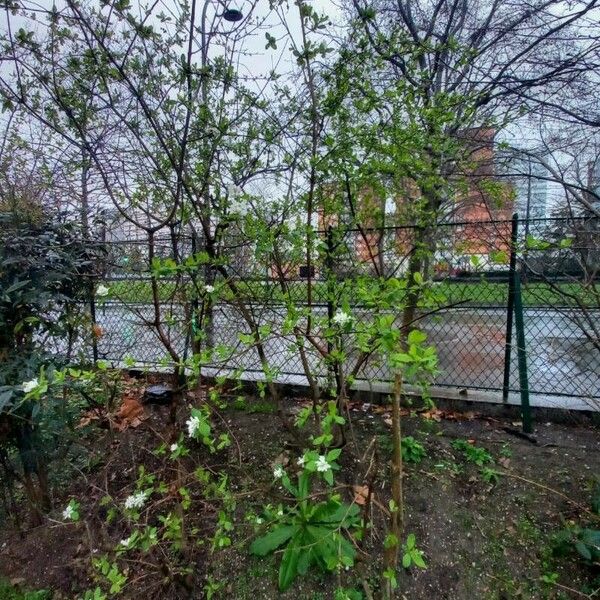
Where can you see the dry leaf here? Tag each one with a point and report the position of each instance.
(88, 417)
(361, 493)
(130, 413)
(433, 414)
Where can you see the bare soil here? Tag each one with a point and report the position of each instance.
(481, 540)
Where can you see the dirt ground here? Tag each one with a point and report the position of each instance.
(480, 539)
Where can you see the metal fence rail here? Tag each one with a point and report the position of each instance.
(471, 269)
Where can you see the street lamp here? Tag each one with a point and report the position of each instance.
(233, 15)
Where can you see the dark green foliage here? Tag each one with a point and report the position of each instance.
(44, 265)
(313, 533)
(585, 541)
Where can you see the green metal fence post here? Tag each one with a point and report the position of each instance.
(510, 306)
(522, 354)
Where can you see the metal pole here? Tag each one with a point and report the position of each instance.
(510, 306)
(522, 355)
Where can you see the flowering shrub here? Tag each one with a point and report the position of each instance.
(199, 428)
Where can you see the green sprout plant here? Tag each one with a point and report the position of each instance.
(412, 450)
(472, 453)
(311, 532)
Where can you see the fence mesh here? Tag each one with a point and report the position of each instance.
(468, 265)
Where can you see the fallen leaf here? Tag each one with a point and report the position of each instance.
(130, 413)
(361, 493)
(88, 417)
(432, 414)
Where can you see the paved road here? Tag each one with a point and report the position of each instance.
(469, 342)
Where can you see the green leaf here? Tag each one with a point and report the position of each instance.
(583, 550)
(595, 499)
(333, 454)
(5, 396)
(417, 558)
(289, 564)
(271, 42)
(267, 543)
(416, 337)
(304, 560)
(16, 286)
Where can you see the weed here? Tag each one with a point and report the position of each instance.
(490, 475)
(253, 407)
(412, 451)
(472, 453)
(411, 555)
(448, 465)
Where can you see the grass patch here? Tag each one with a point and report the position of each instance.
(476, 293)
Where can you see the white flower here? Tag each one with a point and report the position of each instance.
(238, 206)
(234, 191)
(68, 512)
(259, 521)
(300, 462)
(322, 464)
(280, 513)
(278, 472)
(102, 291)
(192, 424)
(29, 386)
(341, 317)
(125, 542)
(174, 447)
(209, 289)
(135, 500)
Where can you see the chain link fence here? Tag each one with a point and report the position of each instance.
(469, 266)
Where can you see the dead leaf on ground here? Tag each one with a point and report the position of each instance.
(282, 460)
(361, 493)
(88, 416)
(433, 414)
(130, 413)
